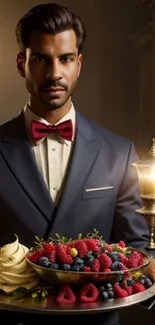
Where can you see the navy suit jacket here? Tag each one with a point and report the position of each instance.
(101, 161)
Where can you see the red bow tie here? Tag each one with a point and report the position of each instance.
(40, 130)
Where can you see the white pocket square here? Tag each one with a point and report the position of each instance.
(98, 188)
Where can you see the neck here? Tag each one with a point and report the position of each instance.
(51, 116)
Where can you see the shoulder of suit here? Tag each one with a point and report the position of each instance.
(110, 137)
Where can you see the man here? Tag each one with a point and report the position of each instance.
(60, 173)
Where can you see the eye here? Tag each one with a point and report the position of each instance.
(39, 59)
(66, 59)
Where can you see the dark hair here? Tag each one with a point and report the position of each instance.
(49, 18)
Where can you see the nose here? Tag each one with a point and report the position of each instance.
(53, 71)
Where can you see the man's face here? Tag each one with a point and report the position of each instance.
(51, 67)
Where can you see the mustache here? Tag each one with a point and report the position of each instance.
(53, 83)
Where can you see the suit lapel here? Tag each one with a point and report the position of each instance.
(85, 152)
(17, 152)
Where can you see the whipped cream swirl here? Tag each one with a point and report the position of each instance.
(14, 270)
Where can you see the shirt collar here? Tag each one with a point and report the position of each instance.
(29, 116)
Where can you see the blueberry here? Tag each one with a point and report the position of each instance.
(79, 262)
(66, 267)
(110, 294)
(44, 261)
(148, 282)
(54, 266)
(105, 295)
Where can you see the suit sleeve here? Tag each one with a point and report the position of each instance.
(128, 224)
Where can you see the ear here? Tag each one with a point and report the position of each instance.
(20, 61)
(79, 64)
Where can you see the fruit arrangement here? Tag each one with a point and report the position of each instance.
(88, 254)
(91, 255)
(89, 292)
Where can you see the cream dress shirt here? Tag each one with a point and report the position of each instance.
(52, 153)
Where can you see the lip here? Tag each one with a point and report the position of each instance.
(54, 91)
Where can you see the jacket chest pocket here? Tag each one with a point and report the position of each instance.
(97, 193)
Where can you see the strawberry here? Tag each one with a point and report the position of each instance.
(48, 248)
(63, 255)
(88, 293)
(95, 267)
(65, 295)
(52, 257)
(35, 256)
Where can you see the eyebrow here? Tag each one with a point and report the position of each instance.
(45, 55)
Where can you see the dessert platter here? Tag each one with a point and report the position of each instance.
(73, 276)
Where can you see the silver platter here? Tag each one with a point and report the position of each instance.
(49, 306)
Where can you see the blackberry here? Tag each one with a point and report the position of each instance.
(54, 266)
(129, 282)
(75, 268)
(116, 266)
(89, 260)
(101, 289)
(114, 256)
(119, 277)
(44, 261)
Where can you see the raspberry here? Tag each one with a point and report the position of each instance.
(105, 261)
(123, 259)
(108, 248)
(138, 287)
(80, 246)
(107, 270)
(95, 265)
(62, 254)
(35, 256)
(92, 244)
(121, 244)
(119, 292)
(86, 269)
(127, 284)
(65, 295)
(88, 293)
(48, 248)
(134, 260)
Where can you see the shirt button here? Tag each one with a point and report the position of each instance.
(53, 149)
(54, 188)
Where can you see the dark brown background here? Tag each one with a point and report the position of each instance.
(116, 88)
